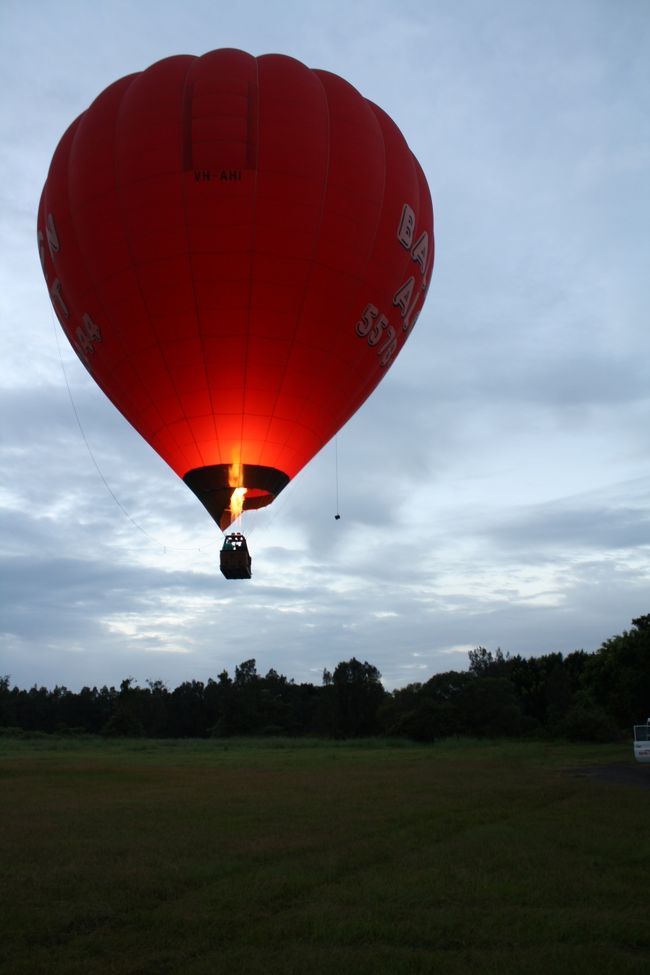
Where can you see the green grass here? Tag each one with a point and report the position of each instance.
(247, 857)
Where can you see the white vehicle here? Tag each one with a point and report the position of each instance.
(642, 742)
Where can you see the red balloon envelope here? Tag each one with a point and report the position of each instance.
(237, 248)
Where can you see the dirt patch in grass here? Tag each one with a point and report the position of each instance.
(617, 773)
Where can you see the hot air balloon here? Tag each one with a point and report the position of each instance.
(237, 249)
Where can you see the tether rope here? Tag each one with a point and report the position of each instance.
(156, 541)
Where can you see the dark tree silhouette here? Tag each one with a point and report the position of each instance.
(581, 695)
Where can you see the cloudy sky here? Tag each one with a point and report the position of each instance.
(494, 490)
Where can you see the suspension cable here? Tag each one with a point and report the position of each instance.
(156, 541)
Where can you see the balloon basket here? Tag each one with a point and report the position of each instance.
(235, 560)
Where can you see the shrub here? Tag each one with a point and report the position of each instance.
(583, 723)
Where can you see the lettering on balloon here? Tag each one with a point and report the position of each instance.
(52, 236)
(373, 324)
(41, 253)
(220, 175)
(420, 253)
(57, 298)
(406, 227)
(85, 335)
(403, 295)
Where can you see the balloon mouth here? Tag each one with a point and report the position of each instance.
(212, 485)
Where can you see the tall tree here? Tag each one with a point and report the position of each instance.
(356, 692)
(617, 676)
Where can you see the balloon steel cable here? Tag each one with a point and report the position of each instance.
(337, 515)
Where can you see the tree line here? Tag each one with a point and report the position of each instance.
(582, 696)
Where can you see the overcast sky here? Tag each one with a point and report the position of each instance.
(494, 490)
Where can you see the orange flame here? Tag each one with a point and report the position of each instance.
(235, 474)
(237, 503)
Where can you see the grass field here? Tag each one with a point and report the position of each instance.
(241, 858)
